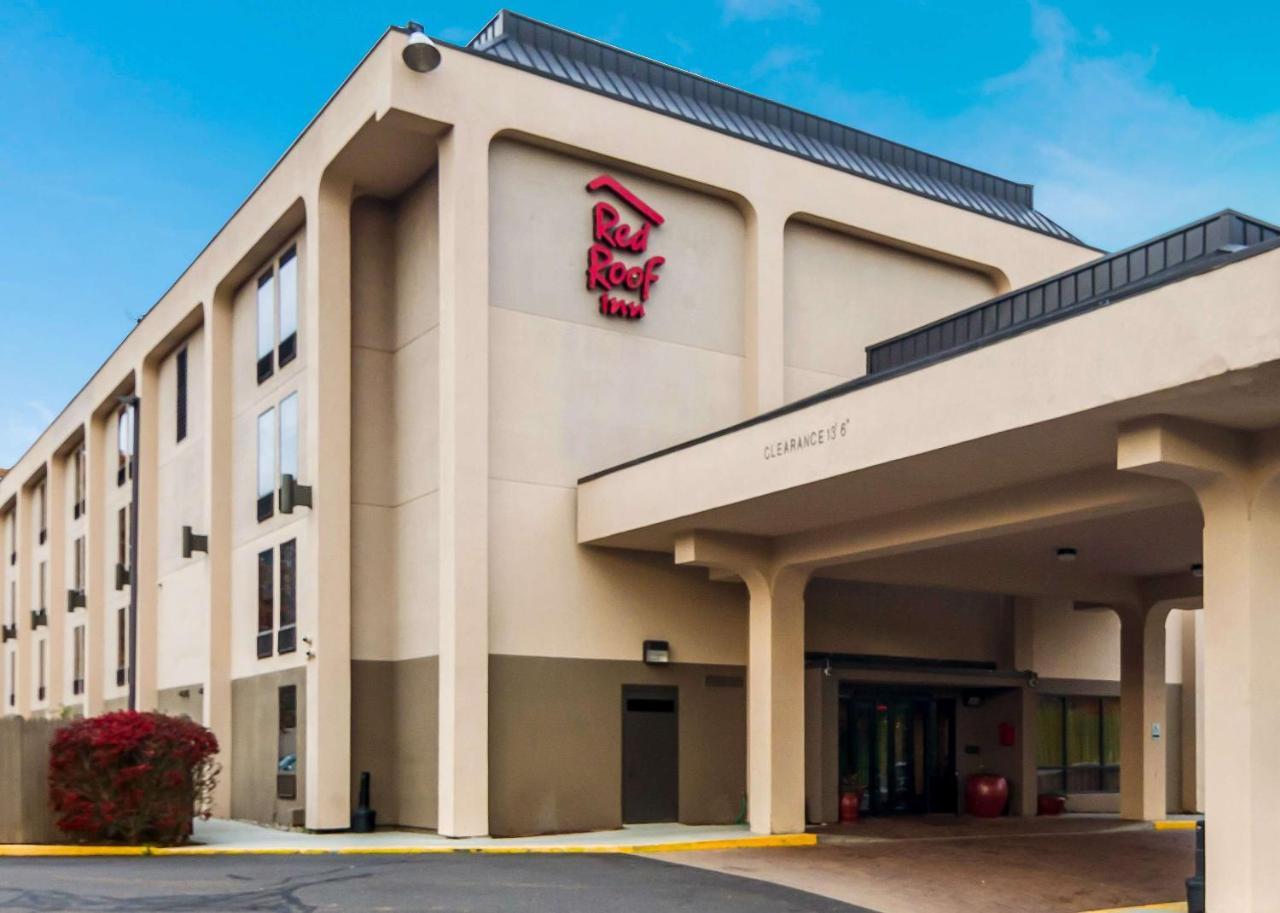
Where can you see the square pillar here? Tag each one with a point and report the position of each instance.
(326, 297)
(146, 464)
(464, 483)
(775, 703)
(765, 374)
(56, 492)
(1143, 694)
(217, 507)
(97, 441)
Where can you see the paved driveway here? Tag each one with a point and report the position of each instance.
(390, 884)
(951, 865)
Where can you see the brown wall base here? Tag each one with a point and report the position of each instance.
(555, 742)
(255, 726)
(394, 726)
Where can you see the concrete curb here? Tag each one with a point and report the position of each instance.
(1175, 824)
(731, 843)
(1179, 906)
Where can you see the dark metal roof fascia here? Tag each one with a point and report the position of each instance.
(576, 60)
(1138, 267)
(1196, 268)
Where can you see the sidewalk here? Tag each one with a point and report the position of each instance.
(224, 837)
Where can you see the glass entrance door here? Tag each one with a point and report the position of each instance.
(901, 750)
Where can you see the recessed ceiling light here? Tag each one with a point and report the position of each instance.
(1197, 570)
(1067, 554)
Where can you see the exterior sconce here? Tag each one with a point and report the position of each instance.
(292, 494)
(75, 600)
(657, 652)
(39, 618)
(8, 633)
(420, 53)
(193, 543)
(122, 576)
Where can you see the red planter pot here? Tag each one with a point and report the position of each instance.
(986, 795)
(850, 806)
(1050, 804)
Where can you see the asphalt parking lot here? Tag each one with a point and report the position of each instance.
(390, 884)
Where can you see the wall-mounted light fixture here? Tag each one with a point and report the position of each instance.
(39, 618)
(8, 633)
(292, 494)
(122, 577)
(657, 652)
(191, 542)
(1067, 554)
(420, 53)
(75, 600)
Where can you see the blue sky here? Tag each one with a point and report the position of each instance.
(132, 131)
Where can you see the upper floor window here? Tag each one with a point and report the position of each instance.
(278, 314)
(40, 674)
(78, 570)
(42, 509)
(42, 596)
(124, 445)
(77, 661)
(11, 536)
(285, 628)
(78, 461)
(180, 397)
(277, 438)
(122, 646)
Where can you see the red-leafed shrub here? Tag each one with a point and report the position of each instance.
(132, 777)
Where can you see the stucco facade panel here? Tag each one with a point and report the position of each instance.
(541, 227)
(844, 293)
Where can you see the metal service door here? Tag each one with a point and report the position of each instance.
(650, 754)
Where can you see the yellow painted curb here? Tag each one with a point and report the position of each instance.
(1179, 906)
(1178, 824)
(729, 843)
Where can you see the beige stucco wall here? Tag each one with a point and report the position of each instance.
(255, 721)
(843, 293)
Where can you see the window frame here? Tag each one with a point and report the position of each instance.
(77, 659)
(268, 462)
(122, 646)
(266, 602)
(180, 395)
(1107, 773)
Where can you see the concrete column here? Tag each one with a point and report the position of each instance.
(147, 462)
(463, 596)
(26, 579)
(764, 379)
(217, 488)
(1143, 693)
(96, 583)
(821, 758)
(1192, 711)
(1236, 478)
(326, 302)
(775, 702)
(57, 598)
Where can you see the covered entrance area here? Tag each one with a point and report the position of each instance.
(1043, 502)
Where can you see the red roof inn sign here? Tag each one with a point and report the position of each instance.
(624, 282)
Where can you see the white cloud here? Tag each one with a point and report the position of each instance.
(781, 59)
(759, 10)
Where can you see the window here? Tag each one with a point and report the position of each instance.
(289, 435)
(288, 307)
(266, 464)
(42, 509)
(13, 678)
(40, 666)
(13, 602)
(278, 315)
(77, 507)
(287, 639)
(78, 570)
(77, 660)
(1079, 744)
(11, 533)
(181, 396)
(124, 445)
(43, 592)
(287, 743)
(266, 602)
(266, 325)
(122, 537)
(122, 646)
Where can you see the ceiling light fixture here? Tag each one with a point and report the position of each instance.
(1067, 554)
(1197, 570)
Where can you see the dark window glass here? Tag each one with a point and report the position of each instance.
(122, 645)
(122, 541)
(182, 395)
(266, 602)
(287, 638)
(1078, 745)
(287, 743)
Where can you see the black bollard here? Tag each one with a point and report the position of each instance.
(1195, 884)
(364, 819)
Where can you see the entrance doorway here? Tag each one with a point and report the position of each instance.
(650, 754)
(900, 746)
